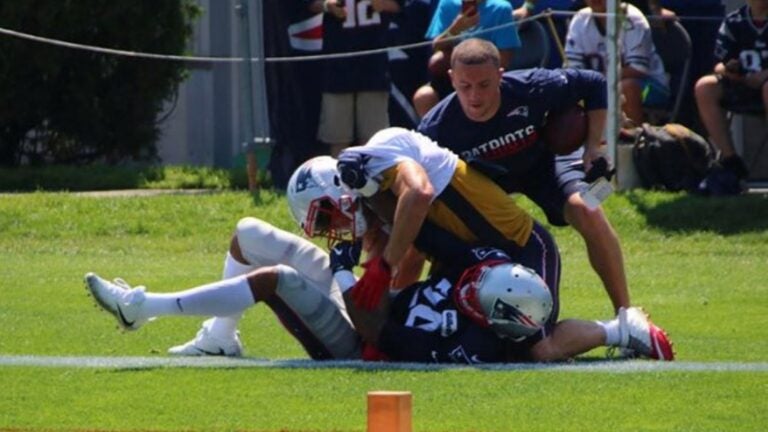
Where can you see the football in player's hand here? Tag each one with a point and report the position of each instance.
(565, 131)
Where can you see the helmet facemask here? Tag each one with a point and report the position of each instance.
(336, 221)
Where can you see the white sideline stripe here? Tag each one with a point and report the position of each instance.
(603, 366)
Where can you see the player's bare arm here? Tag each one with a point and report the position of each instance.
(414, 193)
(463, 22)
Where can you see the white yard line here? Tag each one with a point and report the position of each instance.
(607, 366)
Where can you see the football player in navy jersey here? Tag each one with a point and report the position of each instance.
(740, 79)
(494, 120)
(355, 89)
(482, 308)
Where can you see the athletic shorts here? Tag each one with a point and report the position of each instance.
(655, 94)
(549, 183)
(352, 118)
(739, 96)
(310, 315)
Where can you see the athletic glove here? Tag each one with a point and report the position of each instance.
(345, 255)
(599, 169)
(368, 290)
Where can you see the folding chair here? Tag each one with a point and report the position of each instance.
(534, 47)
(674, 47)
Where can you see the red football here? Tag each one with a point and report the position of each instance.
(565, 131)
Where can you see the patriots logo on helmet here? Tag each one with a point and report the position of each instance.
(304, 179)
(506, 311)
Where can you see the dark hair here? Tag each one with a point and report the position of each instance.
(475, 51)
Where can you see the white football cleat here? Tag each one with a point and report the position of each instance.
(119, 299)
(207, 344)
(639, 334)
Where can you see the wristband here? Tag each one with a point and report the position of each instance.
(325, 6)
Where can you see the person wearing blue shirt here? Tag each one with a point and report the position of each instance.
(495, 119)
(451, 22)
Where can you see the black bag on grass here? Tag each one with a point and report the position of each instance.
(670, 157)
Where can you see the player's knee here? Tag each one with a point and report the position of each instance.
(585, 220)
(251, 233)
(249, 228)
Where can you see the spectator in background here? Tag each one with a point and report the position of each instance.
(468, 19)
(643, 81)
(740, 79)
(406, 66)
(647, 7)
(701, 19)
(355, 89)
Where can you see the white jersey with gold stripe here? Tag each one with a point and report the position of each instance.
(391, 146)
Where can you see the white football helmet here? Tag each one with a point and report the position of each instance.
(510, 298)
(321, 204)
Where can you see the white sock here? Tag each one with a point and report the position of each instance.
(612, 334)
(224, 326)
(222, 298)
(233, 267)
(227, 325)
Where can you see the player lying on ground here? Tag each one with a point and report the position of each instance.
(320, 324)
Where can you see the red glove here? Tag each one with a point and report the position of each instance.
(375, 281)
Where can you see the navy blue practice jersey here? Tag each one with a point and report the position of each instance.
(740, 38)
(512, 137)
(363, 29)
(426, 327)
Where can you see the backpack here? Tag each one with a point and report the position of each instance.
(670, 157)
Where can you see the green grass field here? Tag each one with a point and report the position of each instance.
(698, 265)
